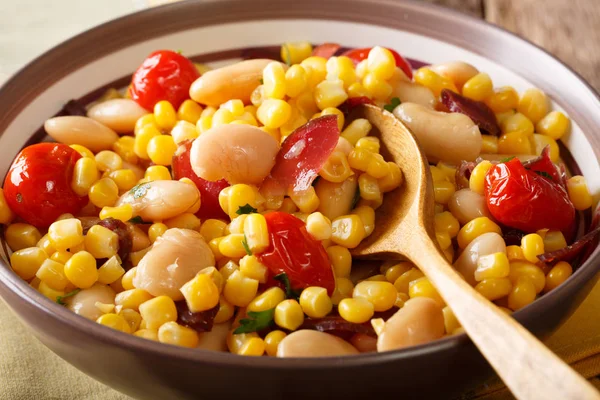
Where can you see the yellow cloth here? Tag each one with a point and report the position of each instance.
(28, 370)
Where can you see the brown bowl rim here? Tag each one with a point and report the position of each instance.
(119, 33)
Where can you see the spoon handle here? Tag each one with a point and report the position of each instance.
(527, 367)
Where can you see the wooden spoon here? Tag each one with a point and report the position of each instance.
(405, 229)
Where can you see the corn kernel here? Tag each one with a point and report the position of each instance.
(318, 69)
(204, 124)
(107, 160)
(296, 80)
(274, 113)
(105, 308)
(124, 147)
(343, 290)
(212, 228)
(347, 231)
(579, 193)
(514, 143)
(256, 233)
(377, 88)
(267, 300)
(165, 115)
(494, 265)
(52, 274)
(475, 228)
(252, 347)
(477, 179)
(367, 216)
(377, 168)
(514, 253)
(306, 201)
(132, 298)
(422, 287)
(522, 294)
(173, 333)
(274, 80)
(494, 288)
(200, 293)
(104, 192)
(533, 246)
(392, 180)
(446, 222)
(451, 323)
(132, 317)
(124, 178)
(402, 283)
(61, 256)
(357, 90)
(214, 247)
(46, 244)
(557, 275)
(101, 242)
(330, 94)
(189, 111)
(184, 221)
(123, 212)
(81, 270)
(356, 310)
(443, 239)
(183, 131)
(156, 230)
(542, 141)
(479, 87)
(517, 123)
(341, 68)
(110, 271)
(20, 236)
(84, 151)
(341, 260)
(555, 124)
(381, 294)
(272, 341)
(50, 293)
(295, 52)
(289, 315)
(225, 312)
(442, 191)
(504, 99)
(85, 174)
(533, 104)
(233, 245)
(161, 149)
(393, 270)
(489, 144)
(503, 116)
(381, 62)
(127, 279)
(143, 137)
(251, 267)
(240, 290)
(357, 129)
(114, 321)
(433, 81)
(66, 233)
(144, 120)
(158, 311)
(150, 334)
(531, 271)
(554, 240)
(6, 214)
(336, 169)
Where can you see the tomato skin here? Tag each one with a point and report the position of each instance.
(209, 191)
(164, 75)
(522, 199)
(38, 184)
(326, 50)
(292, 250)
(361, 54)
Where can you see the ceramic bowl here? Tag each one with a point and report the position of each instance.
(218, 32)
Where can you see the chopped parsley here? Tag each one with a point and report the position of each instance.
(246, 247)
(247, 209)
(139, 190)
(395, 102)
(262, 82)
(257, 321)
(289, 292)
(59, 299)
(507, 159)
(137, 220)
(179, 51)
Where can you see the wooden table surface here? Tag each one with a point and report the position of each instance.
(566, 28)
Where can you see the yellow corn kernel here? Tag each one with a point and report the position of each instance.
(184, 221)
(554, 240)
(336, 168)
(377, 278)
(214, 247)
(306, 201)
(189, 111)
(341, 68)
(225, 312)
(443, 191)
(514, 143)
(110, 271)
(393, 271)
(289, 315)
(335, 111)
(52, 274)
(296, 80)
(105, 308)
(555, 124)
(579, 193)
(173, 333)
(212, 228)
(101, 242)
(150, 334)
(122, 213)
(330, 94)
(479, 87)
(50, 293)
(157, 173)
(66, 234)
(318, 69)
(272, 341)
(6, 214)
(267, 300)
(533, 246)
(422, 287)
(541, 141)
(477, 179)
(357, 90)
(557, 275)
(295, 121)
(443, 239)
(356, 130)
(145, 134)
(494, 288)
(274, 80)
(204, 124)
(104, 193)
(446, 222)
(256, 233)
(392, 180)
(381, 62)
(517, 123)
(183, 131)
(514, 253)
(475, 228)
(114, 321)
(369, 143)
(381, 294)
(489, 144)
(132, 298)
(436, 174)
(433, 81)
(124, 178)
(165, 115)
(156, 230)
(450, 321)
(533, 104)
(377, 88)
(369, 189)
(46, 244)
(378, 168)
(81, 270)
(295, 52)
(341, 260)
(233, 245)
(124, 148)
(84, 151)
(494, 265)
(522, 293)
(233, 197)
(367, 216)
(246, 118)
(529, 270)
(251, 267)
(359, 159)
(402, 283)
(343, 290)
(107, 160)
(503, 116)
(252, 347)
(158, 311)
(200, 293)
(347, 231)
(60, 256)
(133, 318)
(161, 149)
(127, 279)
(356, 310)
(144, 120)
(319, 226)
(85, 174)
(315, 302)
(274, 113)
(503, 99)
(237, 224)
(139, 238)
(239, 290)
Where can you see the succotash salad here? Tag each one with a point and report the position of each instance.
(218, 209)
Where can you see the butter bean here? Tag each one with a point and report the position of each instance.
(466, 205)
(335, 199)
(450, 137)
(410, 92)
(420, 321)
(84, 131)
(175, 258)
(216, 339)
(84, 301)
(488, 243)
(119, 115)
(457, 71)
(308, 343)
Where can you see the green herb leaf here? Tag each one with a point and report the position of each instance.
(395, 102)
(59, 299)
(262, 82)
(246, 247)
(137, 220)
(289, 292)
(139, 190)
(247, 209)
(179, 51)
(507, 159)
(356, 198)
(288, 55)
(544, 174)
(258, 321)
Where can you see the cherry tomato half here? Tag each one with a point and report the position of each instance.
(209, 191)
(527, 200)
(326, 50)
(361, 54)
(164, 75)
(38, 184)
(293, 251)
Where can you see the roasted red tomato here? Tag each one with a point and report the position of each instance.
(527, 200)
(38, 185)
(326, 50)
(361, 54)
(293, 251)
(302, 155)
(164, 75)
(209, 191)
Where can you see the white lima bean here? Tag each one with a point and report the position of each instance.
(216, 339)
(84, 301)
(81, 130)
(236, 153)
(309, 343)
(420, 321)
(175, 258)
(483, 245)
(120, 115)
(467, 205)
(236, 81)
(160, 200)
(458, 72)
(410, 92)
(336, 198)
(450, 137)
